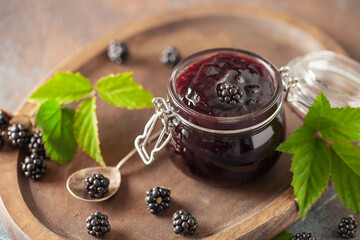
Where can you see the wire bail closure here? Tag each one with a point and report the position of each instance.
(289, 83)
(164, 113)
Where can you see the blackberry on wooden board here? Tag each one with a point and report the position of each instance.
(97, 224)
(170, 56)
(184, 223)
(33, 167)
(36, 145)
(157, 199)
(19, 135)
(118, 52)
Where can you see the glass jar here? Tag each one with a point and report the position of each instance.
(335, 75)
(230, 150)
(221, 150)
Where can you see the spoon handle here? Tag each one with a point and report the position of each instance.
(133, 151)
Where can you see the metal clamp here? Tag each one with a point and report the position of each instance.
(288, 82)
(162, 112)
(298, 98)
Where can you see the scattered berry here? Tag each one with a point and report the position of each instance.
(4, 120)
(170, 56)
(97, 185)
(36, 145)
(97, 224)
(19, 135)
(229, 93)
(184, 223)
(157, 199)
(303, 236)
(33, 167)
(118, 52)
(347, 227)
(1, 141)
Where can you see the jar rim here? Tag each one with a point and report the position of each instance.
(267, 64)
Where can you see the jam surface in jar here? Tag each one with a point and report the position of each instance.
(211, 91)
(225, 85)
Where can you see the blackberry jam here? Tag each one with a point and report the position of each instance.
(229, 117)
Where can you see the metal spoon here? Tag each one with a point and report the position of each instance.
(75, 183)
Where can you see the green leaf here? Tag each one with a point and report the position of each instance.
(318, 113)
(334, 124)
(63, 87)
(284, 236)
(56, 124)
(349, 154)
(342, 124)
(86, 129)
(121, 91)
(345, 179)
(311, 168)
(298, 138)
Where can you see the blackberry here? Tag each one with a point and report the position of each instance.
(303, 236)
(33, 167)
(97, 224)
(19, 135)
(1, 140)
(157, 199)
(170, 56)
(36, 145)
(184, 223)
(4, 120)
(118, 52)
(97, 185)
(228, 93)
(347, 227)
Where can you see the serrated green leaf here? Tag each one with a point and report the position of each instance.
(86, 129)
(284, 236)
(56, 124)
(345, 179)
(334, 124)
(298, 138)
(121, 91)
(349, 154)
(63, 87)
(311, 168)
(342, 124)
(318, 112)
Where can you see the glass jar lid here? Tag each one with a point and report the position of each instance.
(335, 75)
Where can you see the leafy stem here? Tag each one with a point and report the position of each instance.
(64, 128)
(322, 148)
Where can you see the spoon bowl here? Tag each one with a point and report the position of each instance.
(76, 186)
(75, 183)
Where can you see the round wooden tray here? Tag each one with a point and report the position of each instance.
(257, 210)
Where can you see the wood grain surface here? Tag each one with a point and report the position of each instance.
(258, 210)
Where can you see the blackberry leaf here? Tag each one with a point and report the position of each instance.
(316, 118)
(334, 124)
(86, 129)
(63, 87)
(342, 124)
(311, 168)
(345, 173)
(297, 139)
(121, 91)
(56, 124)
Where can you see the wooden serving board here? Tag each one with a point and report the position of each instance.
(257, 210)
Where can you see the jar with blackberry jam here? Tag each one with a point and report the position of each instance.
(223, 117)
